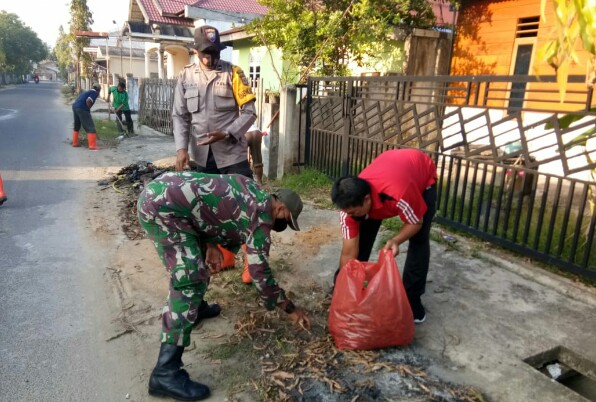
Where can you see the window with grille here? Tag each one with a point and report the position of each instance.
(254, 73)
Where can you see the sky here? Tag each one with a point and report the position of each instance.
(44, 17)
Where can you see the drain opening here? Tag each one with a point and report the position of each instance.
(567, 368)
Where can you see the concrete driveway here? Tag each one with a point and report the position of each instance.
(487, 310)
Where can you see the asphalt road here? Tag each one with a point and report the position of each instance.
(54, 304)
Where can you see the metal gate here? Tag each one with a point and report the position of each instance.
(156, 99)
(510, 172)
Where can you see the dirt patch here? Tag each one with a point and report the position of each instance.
(248, 353)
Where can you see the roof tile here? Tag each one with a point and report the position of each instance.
(236, 6)
(155, 15)
(173, 6)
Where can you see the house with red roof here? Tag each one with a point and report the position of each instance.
(268, 65)
(167, 27)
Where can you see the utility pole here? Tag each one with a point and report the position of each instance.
(119, 44)
(130, 52)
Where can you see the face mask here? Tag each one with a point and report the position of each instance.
(280, 225)
(209, 59)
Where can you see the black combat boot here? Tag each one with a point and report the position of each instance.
(168, 379)
(207, 310)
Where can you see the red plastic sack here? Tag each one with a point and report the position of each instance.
(370, 309)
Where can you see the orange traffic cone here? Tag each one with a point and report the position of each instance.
(245, 274)
(3, 196)
(92, 139)
(229, 258)
(75, 139)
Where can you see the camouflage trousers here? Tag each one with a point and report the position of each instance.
(181, 252)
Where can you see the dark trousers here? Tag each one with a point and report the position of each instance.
(83, 117)
(242, 168)
(129, 124)
(415, 268)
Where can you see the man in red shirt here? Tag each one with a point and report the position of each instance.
(397, 183)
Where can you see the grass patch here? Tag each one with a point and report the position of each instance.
(107, 133)
(389, 228)
(106, 129)
(311, 184)
(229, 350)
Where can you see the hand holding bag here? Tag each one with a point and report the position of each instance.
(370, 308)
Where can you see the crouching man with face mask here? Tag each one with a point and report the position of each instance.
(187, 215)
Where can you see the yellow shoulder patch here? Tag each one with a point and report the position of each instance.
(241, 86)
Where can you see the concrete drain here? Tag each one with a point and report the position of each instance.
(567, 368)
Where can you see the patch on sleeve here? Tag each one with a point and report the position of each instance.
(240, 85)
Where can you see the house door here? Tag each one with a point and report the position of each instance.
(525, 38)
(523, 58)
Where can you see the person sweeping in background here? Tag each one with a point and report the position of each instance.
(81, 109)
(120, 105)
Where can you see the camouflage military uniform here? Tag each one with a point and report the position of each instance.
(181, 213)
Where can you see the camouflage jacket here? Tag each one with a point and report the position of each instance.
(229, 210)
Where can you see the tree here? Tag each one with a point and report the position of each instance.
(331, 33)
(19, 45)
(575, 22)
(63, 52)
(81, 19)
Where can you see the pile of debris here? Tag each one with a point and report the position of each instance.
(130, 181)
(301, 366)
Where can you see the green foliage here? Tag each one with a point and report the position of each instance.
(566, 120)
(19, 45)
(581, 140)
(311, 184)
(327, 35)
(81, 19)
(63, 52)
(308, 179)
(575, 21)
(107, 129)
